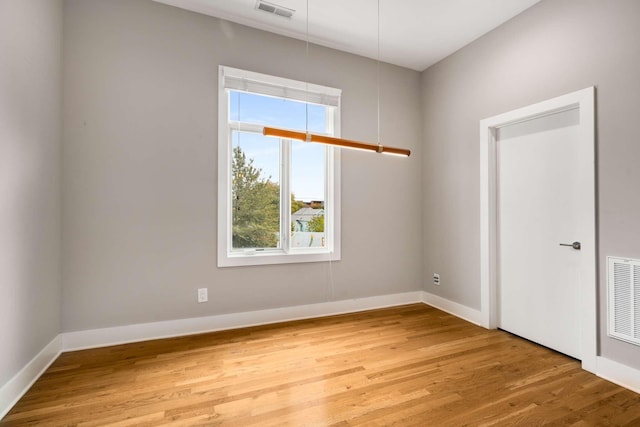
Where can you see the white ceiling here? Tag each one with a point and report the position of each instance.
(413, 33)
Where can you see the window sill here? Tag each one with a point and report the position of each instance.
(276, 257)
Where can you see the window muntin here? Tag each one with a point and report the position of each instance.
(272, 225)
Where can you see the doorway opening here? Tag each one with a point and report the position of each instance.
(583, 103)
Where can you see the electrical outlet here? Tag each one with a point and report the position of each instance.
(203, 295)
(436, 279)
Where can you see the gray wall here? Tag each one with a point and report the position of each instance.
(140, 135)
(556, 47)
(30, 117)
(139, 180)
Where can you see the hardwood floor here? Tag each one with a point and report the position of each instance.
(409, 365)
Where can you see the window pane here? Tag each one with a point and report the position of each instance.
(255, 194)
(276, 112)
(308, 195)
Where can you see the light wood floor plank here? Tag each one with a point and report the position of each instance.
(406, 366)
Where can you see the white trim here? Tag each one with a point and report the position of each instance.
(224, 162)
(462, 311)
(17, 386)
(620, 374)
(285, 255)
(280, 87)
(173, 328)
(584, 101)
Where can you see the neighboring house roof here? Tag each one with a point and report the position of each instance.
(306, 214)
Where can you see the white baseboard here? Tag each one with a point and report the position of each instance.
(17, 386)
(462, 311)
(172, 328)
(618, 373)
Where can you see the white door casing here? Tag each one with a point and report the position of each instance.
(583, 103)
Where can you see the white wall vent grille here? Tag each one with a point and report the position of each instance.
(623, 283)
(275, 9)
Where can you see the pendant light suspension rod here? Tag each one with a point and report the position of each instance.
(338, 142)
(378, 72)
(306, 80)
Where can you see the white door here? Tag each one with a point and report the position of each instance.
(539, 206)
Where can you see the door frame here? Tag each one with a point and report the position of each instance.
(584, 101)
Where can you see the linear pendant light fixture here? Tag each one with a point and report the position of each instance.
(340, 142)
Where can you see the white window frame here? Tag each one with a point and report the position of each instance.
(262, 84)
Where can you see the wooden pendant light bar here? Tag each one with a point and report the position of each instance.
(338, 142)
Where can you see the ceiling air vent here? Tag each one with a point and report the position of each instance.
(274, 9)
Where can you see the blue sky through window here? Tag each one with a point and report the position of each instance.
(307, 181)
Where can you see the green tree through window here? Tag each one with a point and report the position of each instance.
(316, 224)
(256, 205)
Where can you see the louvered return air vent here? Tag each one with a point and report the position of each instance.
(623, 283)
(274, 9)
